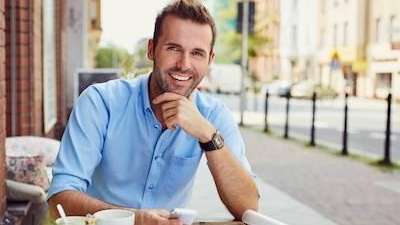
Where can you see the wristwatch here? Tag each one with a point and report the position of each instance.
(216, 143)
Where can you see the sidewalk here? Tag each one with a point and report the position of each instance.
(307, 186)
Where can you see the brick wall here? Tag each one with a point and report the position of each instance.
(28, 97)
(61, 51)
(36, 67)
(2, 108)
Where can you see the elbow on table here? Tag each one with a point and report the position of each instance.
(251, 203)
(53, 201)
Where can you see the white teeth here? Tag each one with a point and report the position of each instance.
(180, 78)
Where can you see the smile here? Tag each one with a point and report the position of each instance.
(180, 78)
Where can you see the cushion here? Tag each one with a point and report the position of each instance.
(17, 191)
(32, 146)
(28, 169)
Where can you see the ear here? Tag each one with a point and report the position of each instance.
(212, 56)
(150, 49)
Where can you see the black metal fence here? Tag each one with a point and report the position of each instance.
(345, 135)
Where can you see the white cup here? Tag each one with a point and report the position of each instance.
(72, 220)
(115, 217)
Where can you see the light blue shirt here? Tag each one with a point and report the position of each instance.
(114, 148)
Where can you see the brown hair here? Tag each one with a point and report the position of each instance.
(192, 10)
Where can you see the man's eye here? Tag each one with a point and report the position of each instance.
(199, 54)
(172, 49)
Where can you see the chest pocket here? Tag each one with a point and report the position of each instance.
(180, 176)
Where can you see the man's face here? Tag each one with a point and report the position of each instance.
(181, 55)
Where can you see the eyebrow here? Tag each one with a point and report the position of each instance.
(201, 50)
(180, 46)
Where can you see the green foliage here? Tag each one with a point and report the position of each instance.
(229, 42)
(257, 43)
(111, 56)
(228, 48)
(142, 64)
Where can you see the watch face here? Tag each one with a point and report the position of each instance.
(218, 141)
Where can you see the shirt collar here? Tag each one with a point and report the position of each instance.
(145, 91)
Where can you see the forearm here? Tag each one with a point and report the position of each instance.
(235, 186)
(76, 203)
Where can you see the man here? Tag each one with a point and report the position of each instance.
(137, 144)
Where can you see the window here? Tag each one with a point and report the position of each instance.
(294, 5)
(392, 27)
(335, 3)
(294, 37)
(334, 38)
(323, 6)
(322, 38)
(345, 33)
(377, 30)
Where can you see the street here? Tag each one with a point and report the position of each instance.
(366, 121)
(300, 185)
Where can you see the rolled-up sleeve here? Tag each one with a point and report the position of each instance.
(81, 144)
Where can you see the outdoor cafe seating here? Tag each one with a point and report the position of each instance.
(29, 160)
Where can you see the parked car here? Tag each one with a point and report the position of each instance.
(279, 88)
(303, 89)
(227, 78)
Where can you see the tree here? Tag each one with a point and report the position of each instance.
(111, 56)
(142, 64)
(228, 44)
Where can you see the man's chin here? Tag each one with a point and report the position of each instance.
(186, 93)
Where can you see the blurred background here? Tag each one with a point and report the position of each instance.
(344, 53)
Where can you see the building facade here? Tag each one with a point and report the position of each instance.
(34, 67)
(342, 44)
(298, 39)
(82, 36)
(2, 108)
(266, 64)
(384, 49)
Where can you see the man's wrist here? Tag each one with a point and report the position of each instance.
(207, 133)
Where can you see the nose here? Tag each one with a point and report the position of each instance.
(183, 62)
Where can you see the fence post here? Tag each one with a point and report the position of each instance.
(386, 159)
(286, 135)
(266, 128)
(344, 149)
(314, 98)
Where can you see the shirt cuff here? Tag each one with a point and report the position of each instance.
(66, 183)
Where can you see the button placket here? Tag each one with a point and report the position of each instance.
(155, 167)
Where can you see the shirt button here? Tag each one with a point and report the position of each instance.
(151, 187)
(156, 158)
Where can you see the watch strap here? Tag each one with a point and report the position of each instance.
(216, 142)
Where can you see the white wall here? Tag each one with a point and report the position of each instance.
(303, 46)
(76, 44)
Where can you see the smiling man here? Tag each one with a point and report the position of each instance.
(137, 144)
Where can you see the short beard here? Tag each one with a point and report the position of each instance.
(162, 84)
(158, 76)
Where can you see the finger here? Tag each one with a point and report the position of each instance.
(171, 122)
(167, 97)
(170, 112)
(139, 217)
(163, 213)
(169, 105)
(175, 222)
(158, 219)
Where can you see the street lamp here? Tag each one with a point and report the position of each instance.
(245, 36)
